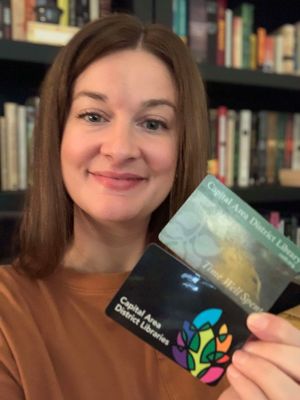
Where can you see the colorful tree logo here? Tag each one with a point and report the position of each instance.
(202, 348)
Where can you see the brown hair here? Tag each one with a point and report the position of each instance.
(47, 225)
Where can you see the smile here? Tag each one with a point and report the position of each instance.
(117, 181)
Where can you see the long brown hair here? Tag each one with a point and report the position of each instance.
(47, 224)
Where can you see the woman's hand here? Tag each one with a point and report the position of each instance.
(267, 368)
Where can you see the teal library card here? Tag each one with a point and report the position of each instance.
(222, 238)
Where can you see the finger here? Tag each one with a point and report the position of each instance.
(273, 329)
(243, 387)
(286, 358)
(273, 382)
(229, 394)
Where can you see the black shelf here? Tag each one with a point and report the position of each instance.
(27, 52)
(269, 194)
(246, 77)
(11, 202)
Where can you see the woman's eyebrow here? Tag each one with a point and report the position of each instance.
(92, 95)
(158, 102)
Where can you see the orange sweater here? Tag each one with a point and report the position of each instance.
(56, 343)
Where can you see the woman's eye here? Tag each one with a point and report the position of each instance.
(154, 125)
(92, 117)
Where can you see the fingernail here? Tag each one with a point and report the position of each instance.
(258, 321)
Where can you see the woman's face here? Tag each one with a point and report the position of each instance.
(119, 146)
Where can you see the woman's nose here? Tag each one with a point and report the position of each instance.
(121, 142)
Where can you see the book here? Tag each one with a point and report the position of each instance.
(7, 20)
(237, 43)
(288, 34)
(289, 177)
(53, 34)
(211, 14)
(221, 7)
(253, 51)
(3, 155)
(94, 9)
(297, 48)
(296, 142)
(271, 147)
(228, 37)
(230, 147)
(213, 156)
(261, 146)
(63, 5)
(197, 29)
(278, 54)
(221, 142)
(10, 114)
(180, 20)
(245, 129)
(18, 24)
(22, 147)
(246, 12)
(261, 46)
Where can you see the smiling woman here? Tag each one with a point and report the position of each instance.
(120, 143)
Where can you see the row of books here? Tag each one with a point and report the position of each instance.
(219, 35)
(288, 225)
(16, 128)
(249, 148)
(48, 21)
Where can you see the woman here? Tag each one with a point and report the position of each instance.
(120, 142)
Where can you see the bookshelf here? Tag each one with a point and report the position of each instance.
(238, 88)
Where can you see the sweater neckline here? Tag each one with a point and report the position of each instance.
(90, 282)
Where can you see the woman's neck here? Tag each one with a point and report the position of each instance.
(105, 248)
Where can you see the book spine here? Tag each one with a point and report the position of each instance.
(105, 7)
(261, 46)
(271, 150)
(221, 7)
(230, 146)
(228, 37)
(22, 147)
(3, 155)
(7, 20)
(268, 64)
(213, 156)
(82, 12)
(1, 21)
(244, 148)
(10, 113)
(237, 31)
(278, 56)
(288, 142)
(296, 142)
(29, 10)
(64, 6)
(288, 33)
(253, 51)
(246, 12)
(211, 12)
(221, 142)
(282, 121)
(72, 13)
(253, 150)
(94, 9)
(18, 19)
(297, 49)
(198, 30)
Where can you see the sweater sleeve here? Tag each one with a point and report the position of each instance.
(9, 376)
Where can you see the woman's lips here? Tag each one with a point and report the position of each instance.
(117, 181)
